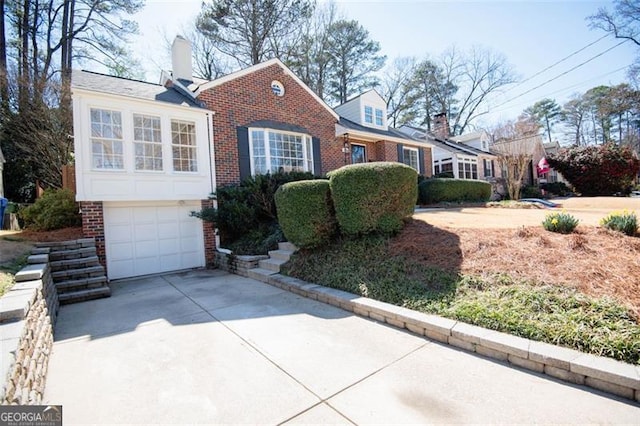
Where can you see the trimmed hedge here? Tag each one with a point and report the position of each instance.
(373, 197)
(453, 190)
(305, 212)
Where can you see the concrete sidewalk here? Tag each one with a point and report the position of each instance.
(210, 347)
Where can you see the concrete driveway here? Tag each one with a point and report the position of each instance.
(209, 347)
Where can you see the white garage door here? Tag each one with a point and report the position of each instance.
(148, 238)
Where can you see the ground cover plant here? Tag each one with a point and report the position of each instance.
(624, 221)
(580, 290)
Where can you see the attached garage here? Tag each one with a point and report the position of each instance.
(151, 237)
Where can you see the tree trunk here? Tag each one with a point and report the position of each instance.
(24, 78)
(4, 78)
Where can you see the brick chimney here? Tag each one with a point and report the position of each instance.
(440, 127)
(181, 59)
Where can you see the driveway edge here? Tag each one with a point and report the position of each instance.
(566, 364)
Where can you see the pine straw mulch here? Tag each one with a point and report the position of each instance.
(63, 234)
(594, 260)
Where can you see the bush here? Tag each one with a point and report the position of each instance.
(54, 210)
(453, 190)
(373, 197)
(530, 192)
(597, 170)
(246, 216)
(562, 223)
(625, 222)
(305, 212)
(556, 188)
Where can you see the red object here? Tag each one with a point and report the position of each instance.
(543, 166)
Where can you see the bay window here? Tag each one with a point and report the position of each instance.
(277, 151)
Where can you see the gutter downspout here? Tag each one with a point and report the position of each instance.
(212, 168)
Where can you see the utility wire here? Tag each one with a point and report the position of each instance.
(561, 74)
(558, 63)
(565, 88)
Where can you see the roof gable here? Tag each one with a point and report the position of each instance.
(247, 71)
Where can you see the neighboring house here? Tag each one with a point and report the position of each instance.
(149, 154)
(2, 161)
(465, 157)
(553, 175)
(366, 135)
(530, 146)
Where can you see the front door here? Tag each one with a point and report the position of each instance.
(358, 154)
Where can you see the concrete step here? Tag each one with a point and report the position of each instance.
(81, 284)
(82, 295)
(287, 246)
(67, 245)
(81, 262)
(76, 274)
(271, 264)
(260, 274)
(72, 254)
(280, 254)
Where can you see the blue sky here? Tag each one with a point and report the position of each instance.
(531, 34)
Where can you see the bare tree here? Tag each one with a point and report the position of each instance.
(515, 143)
(574, 115)
(396, 87)
(310, 60)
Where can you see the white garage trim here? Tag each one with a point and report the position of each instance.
(144, 238)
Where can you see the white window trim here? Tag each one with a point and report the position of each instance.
(364, 114)
(308, 156)
(375, 118)
(143, 142)
(409, 148)
(122, 140)
(194, 146)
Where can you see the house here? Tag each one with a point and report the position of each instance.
(143, 163)
(461, 157)
(366, 135)
(149, 154)
(530, 146)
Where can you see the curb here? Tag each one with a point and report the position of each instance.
(605, 374)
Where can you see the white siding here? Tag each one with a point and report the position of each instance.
(129, 184)
(351, 111)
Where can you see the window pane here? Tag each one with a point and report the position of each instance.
(183, 138)
(106, 139)
(368, 114)
(274, 151)
(379, 117)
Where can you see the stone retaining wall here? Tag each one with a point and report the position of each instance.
(566, 364)
(27, 317)
(237, 264)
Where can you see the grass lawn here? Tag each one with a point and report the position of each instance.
(580, 291)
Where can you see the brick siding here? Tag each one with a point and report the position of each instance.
(93, 227)
(249, 98)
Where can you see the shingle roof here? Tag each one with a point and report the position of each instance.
(109, 84)
(391, 132)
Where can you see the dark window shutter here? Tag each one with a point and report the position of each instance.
(317, 160)
(400, 153)
(493, 168)
(244, 160)
(421, 169)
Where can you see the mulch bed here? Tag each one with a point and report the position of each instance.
(596, 261)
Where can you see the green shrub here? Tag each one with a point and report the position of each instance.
(529, 191)
(54, 210)
(562, 223)
(440, 190)
(624, 221)
(373, 197)
(246, 216)
(305, 212)
(557, 188)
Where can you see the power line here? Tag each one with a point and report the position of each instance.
(561, 74)
(559, 62)
(567, 88)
